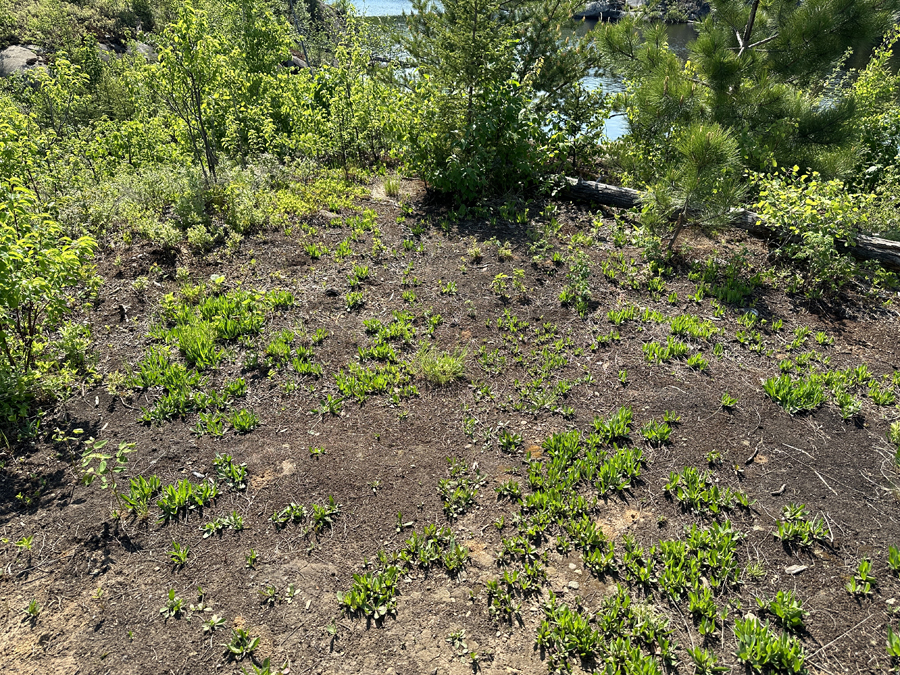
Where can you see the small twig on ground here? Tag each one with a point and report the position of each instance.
(826, 484)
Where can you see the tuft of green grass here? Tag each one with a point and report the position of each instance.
(440, 368)
(392, 186)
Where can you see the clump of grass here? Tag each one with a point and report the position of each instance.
(438, 367)
(392, 186)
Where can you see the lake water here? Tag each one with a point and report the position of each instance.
(679, 37)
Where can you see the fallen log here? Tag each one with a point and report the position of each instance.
(884, 251)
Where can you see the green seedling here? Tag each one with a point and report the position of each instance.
(510, 490)
(372, 594)
(655, 432)
(863, 581)
(400, 524)
(234, 475)
(316, 452)
(670, 417)
(241, 644)
(324, 515)
(794, 528)
(244, 421)
(616, 427)
(25, 543)
(214, 623)
(728, 401)
(32, 611)
(179, 553)
(108, 465)
(894, 560)
(787, 608)
(354, 300)
(763, 651)
(893, 646)
(251, 558)
(755, 571)
(801, 395)
(509, 440)
(268, 595)
(233, 521)
(705, 663)
(623, 376)
(893, 436)
(174, 606)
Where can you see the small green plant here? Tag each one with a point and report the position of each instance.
(251, 558)
(763, 651)
(655, 432)
(243, 421)
(372, 594)
(894, 560)
(755, 571)
(893, 646)
(213, 624)
(616, 427)
(174, 606)
(234, 475)
(787, 608)
(893, 436)
(324, 515)
(449, 288)
(32, 611)
(794, 528)
(509, 440)
(728, 401)
(697, 362)
(796, 396)
(499, 285)
(705, 663)
(25, 543)
(863, 581)
(392, 186)
(108, 465)
(179, 553)
(354, 300)
(241, 644)
(233, 521)
(623, 376)
(439, 368)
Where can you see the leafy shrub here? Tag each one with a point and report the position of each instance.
(40, 271)
(822, 214)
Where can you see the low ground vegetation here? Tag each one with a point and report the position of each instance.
(493, 481)
(314, 367)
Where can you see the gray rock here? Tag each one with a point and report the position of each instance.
(601, 11)
(145, 50)
(107, 52)
(17, 59)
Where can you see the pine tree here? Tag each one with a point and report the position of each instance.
(762, 70)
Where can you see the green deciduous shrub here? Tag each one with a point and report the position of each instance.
(41, 272)
(822, 216)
